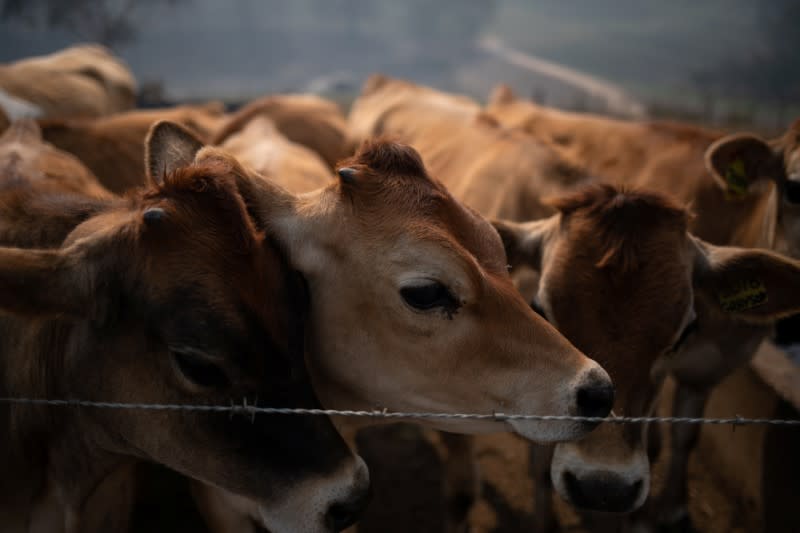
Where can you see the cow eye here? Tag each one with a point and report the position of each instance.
(429, 296)
(198, 370)
(687, 331)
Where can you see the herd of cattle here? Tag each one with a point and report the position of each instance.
(423, 253)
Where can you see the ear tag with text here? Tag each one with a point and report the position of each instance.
(742, 296)
(736, 178)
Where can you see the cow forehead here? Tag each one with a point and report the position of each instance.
(452, 226)
(218, 289)
(395, 194)
(599, 307)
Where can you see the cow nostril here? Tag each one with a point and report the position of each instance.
(602, 492)
(344, 514)
(636, 488)
(595, 399)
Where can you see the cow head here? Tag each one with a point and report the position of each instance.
(175, 297)
(746, 165)
(412, 305)
(624, 281)
(24, 155)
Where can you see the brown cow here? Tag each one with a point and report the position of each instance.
(437, 284)
(427, 258)
(113, 147)
(506, 180)
(742, 189)
(650, 299)
(259, 145)
(80, 81)
(211, 311)
(398, 268)
(309, 120)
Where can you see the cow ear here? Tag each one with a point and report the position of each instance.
(168, 147)
(62, 282)
(501, 94)
(524, 241)
(751, 285)
(739, 162)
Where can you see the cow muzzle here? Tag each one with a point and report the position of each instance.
(620, 485)
(591, 394)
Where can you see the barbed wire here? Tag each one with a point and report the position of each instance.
(252, 410)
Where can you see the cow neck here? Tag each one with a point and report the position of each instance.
(47, 450)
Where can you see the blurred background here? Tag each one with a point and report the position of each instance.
(721, 62)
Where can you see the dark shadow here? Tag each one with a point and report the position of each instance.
(164, 503)
(781, 473)
(509, 520)
(406, 475)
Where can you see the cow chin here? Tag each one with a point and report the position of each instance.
(549, 431)
(306, 507)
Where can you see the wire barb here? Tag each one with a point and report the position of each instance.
(253, 409)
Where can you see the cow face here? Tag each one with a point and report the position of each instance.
(625, 282)
(177, 298)
(746, 165)
(412, 306)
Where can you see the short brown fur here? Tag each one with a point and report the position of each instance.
(113, 147)
(311, 121)
(620, 217)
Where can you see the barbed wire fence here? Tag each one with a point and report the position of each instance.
(253, 409)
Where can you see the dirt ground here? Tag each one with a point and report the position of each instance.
(725, 474)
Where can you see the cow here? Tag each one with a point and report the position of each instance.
(397, 268)
(437, 285)
(79, 81)
(113, 147)
(506, 181)
(170, 295)
(743, 190)
(259, 145)
(312, 121)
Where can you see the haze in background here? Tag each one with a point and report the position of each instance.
(718, 61)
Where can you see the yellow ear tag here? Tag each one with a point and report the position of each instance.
(743, 296)
(736, 178)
